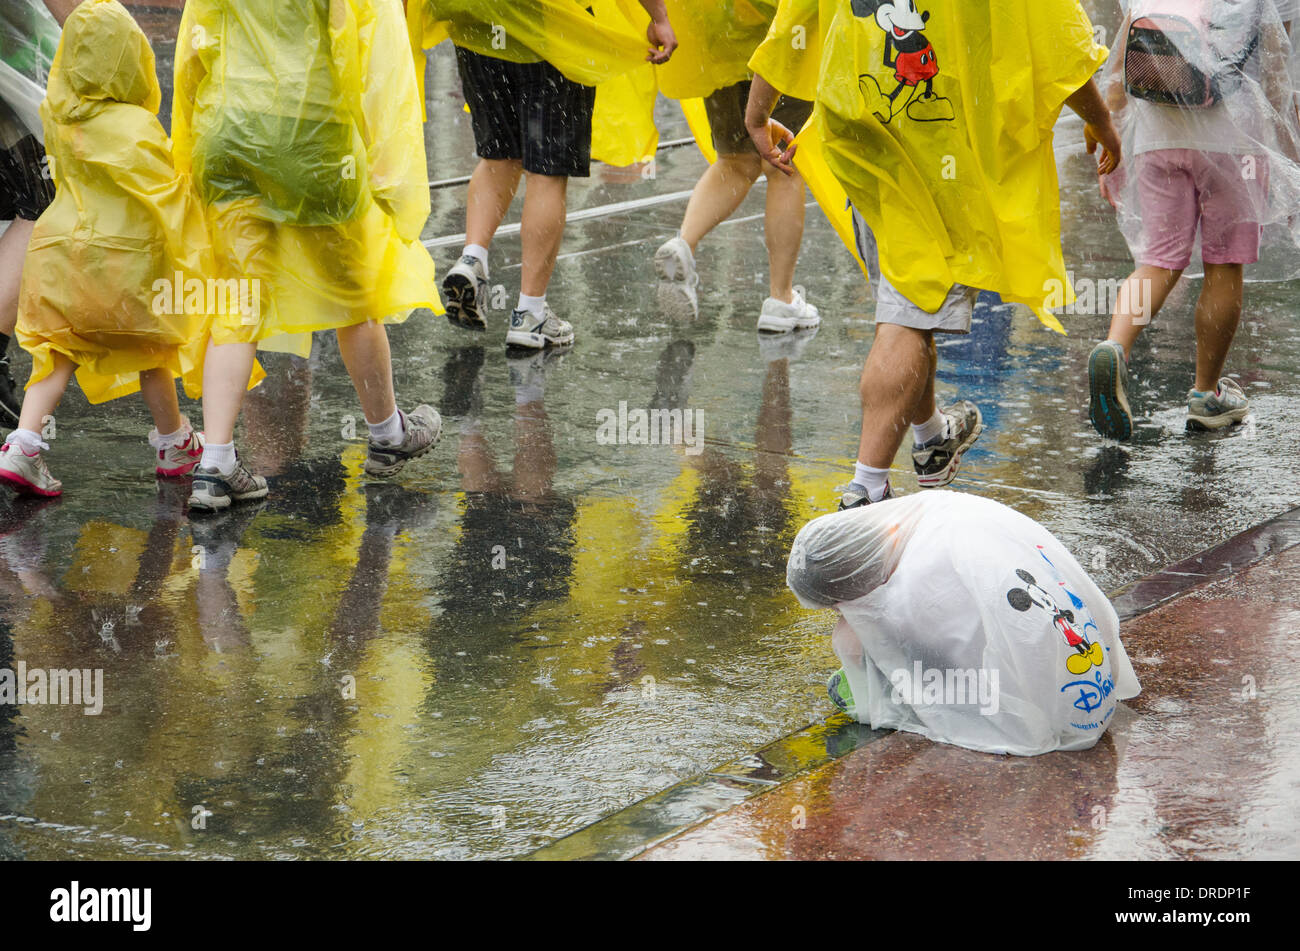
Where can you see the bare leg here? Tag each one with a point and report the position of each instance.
(543, 229)
(925, 406)
(899, 372)
(226, 372)
(13, 251)
(783, 229)
(365, 352)
(1140, 299)
(42, 399)
(159, 391)
(718, 193)
(1218, 311)
(492, 188)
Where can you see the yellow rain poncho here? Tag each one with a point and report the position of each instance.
(947, 152)
(715, 42)
(599, 43)
(301, 122)
(123, 220)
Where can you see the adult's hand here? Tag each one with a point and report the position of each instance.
(775, 143)
(660, 33)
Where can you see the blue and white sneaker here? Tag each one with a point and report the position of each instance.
(1108, 407)
(1226, 406)
(466, 291)
(537, 333)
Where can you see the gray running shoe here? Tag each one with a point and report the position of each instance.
(1225, 407)
(214, 492)
(936, 463)
(26, 473)
(854, 497)
(537, 333)
(466, 290)
(422, 430)
(674, 261)
(1108, 407)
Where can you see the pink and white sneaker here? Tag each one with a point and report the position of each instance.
(26, 472)
(178, 460)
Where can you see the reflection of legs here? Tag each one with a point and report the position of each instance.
(897, 381)
(1139, 300)
(718, 194)
(43, 398)
(492, 187)
(159, 391)
(542, 230)
(1218, 311)
(534, 472)
(783, 229)
(365, 352)
(774, 438)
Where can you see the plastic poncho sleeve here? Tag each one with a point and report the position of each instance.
(790, 55)
(391, 124)
(715, 42)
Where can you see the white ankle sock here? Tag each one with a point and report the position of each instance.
(389, 433)
(161, 442)
(480, 253)
(219, 456)
(534, 305)
(874, 481)
(932, 428)
(27, 440)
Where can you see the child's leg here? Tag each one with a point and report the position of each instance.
(365, 352)
(718, 193)
(1139, 300)
(1218, 311)
(783, 230)
(41, 399)
(226, 372)
(159, 391)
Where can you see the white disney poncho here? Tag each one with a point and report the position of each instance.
(966, 622)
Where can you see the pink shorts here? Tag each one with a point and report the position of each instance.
(1181, 188)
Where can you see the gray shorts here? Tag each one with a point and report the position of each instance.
(954, 314)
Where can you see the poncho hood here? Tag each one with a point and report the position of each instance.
(104, 58)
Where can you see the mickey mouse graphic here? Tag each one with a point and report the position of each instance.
(909, 54)
(1088, 654)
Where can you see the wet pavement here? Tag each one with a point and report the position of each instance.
(533, 629)
(1202, 765)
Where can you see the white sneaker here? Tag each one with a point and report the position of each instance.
(537, 333)
(778, 317)
(26, 473)
(675, 262)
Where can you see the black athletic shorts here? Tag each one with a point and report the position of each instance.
(25, 189)
(725, 108)
(528, 112)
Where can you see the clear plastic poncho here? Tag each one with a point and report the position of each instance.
(122, 220)
(940, 130)
(302, 125)
(1204, 96)
(28, 39)
(966, 622)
